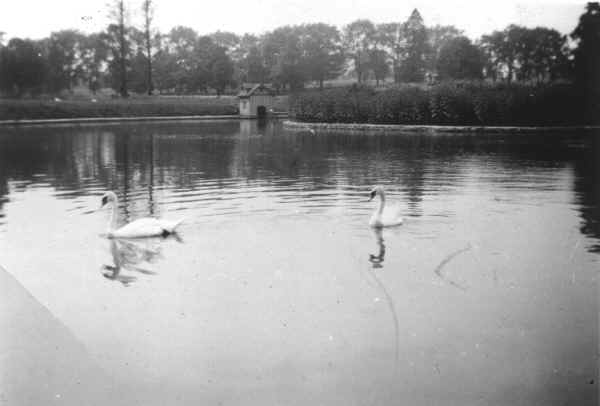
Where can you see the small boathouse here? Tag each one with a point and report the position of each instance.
(256, 100)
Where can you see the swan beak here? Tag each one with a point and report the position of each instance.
(372, 195)
(104, 201)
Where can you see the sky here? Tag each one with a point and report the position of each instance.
(37, 19)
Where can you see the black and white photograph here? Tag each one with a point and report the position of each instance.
(299, 203)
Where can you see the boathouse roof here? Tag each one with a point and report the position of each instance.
(255, 89)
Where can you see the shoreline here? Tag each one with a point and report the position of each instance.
(111, 119)
(91, 120)
(424, 128)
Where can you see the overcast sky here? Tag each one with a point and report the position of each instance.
(36, 19)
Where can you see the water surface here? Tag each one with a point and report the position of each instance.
(277, 292)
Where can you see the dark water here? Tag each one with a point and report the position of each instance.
(277, 291)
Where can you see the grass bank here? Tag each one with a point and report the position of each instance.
(21, 109)
(136, 106)
(456, 103)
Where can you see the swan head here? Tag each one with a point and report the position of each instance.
(108, 197)
(377, 190)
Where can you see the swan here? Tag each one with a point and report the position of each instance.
(383, 217)
(144, 227)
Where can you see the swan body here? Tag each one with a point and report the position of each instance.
(144, 227)
(384, 216)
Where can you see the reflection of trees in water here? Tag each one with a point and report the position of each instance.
(133, 159)
(129, 159)
(587, 189)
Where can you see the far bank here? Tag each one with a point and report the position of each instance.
(129, 108)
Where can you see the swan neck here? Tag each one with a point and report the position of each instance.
(112, 223)
(381, 202)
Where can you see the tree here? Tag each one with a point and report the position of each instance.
(540, 54)
(249, 63)
(187, 63)
(165, 70)
(62, 53)
(221, 68)
(379, 64)
(283, 57)
(182, 40)
(322, 51)
(460, 59)
(138, 62)
(148, 13)
(181, 56)
(525, 54)
(119, 31)
(587, 59)
(358, 41)
(253, 67)
(437, 37)
(119, 59)
(93, 54)
(390, 37)
(22, 67)
(413, 65)
(228, 40)
(501, 51)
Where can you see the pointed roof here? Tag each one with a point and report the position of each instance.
(249, 89)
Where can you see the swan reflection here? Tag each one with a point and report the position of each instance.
(377, 260)
(378, 285)
(133, 256)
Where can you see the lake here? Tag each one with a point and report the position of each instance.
(276, 291)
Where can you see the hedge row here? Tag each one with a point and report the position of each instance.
(17, 109)
(470, 103)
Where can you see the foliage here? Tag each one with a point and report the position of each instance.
(389, 37)
(221, 69)
(118, 34)
(93, 54)
(283, 57)
(587, 59)
(22, 67)
(438, 37)
(449, 103)
(412, 68)
(118, 43)
(188, 63)
(379, 64)
(61, 51)
(358, 41)
(249, 64)
(525, 54)
(181, 61)
(460, 59)
(322, 51)
(16, 109)
(148, 14)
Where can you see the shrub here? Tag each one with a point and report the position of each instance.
(17, 109)
(449, 103)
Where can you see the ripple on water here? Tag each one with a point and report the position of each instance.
(277, 275)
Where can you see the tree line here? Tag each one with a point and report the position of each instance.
(140, 59)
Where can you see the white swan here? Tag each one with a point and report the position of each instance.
(144, 227)
(383, 217)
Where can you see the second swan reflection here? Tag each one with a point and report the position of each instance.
(377, 260)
